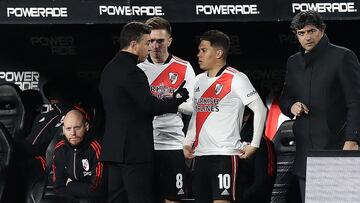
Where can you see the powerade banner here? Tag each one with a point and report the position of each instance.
(330, 10)
(123, 11)
(24, 79)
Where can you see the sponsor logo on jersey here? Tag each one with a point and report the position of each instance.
(207, 104)
(218, 88)
(173, 77)
(335, 7)
(251, 93)
(225, 192)
(85, 164)
(209, 9)
(24, 79)
(131, 10)
(37, 12)
(161, 91)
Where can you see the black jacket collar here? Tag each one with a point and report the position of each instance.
(316, 51)
(166, 61)
(134, 57)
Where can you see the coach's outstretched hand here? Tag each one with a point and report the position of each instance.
(181, 94)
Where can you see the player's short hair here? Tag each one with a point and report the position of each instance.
(133, 31)
(158, 23)
(217, 39)
(305, 18)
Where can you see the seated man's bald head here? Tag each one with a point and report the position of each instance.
(75, 127)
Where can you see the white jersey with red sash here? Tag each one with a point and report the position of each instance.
(219, 104)
(164, 79)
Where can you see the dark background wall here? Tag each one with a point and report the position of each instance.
(259, 49)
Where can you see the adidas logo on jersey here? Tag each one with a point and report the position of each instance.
(181, 192)
(197, 89)
(225, 192)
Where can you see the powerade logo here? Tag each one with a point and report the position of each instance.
(340, 7)
(131, 10)
(25, 79)
(250, 9)
(58, 45)
(35, 12)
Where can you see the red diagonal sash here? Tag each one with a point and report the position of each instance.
(171, 77)
(225, 80)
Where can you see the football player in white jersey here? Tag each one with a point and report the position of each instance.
(220, 95)
(166, 73)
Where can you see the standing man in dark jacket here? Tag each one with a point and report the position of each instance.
(129, 107)
(322, 89)
(77, 169)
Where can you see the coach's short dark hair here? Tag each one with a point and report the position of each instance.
(305, 18)
(158, 23)
(217, 39)
(133, 31)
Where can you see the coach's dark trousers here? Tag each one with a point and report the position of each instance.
(130, 183)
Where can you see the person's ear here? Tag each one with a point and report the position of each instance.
(219, 53)
(133, 45)
(87, 126)
(170, 40)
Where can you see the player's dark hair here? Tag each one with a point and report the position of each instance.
(217, 39)
(133, 31)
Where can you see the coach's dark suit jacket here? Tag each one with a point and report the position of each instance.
(129, 108)
(327, 80)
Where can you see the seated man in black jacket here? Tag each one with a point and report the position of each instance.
(47, 124)
(256, 174)
(77, 170)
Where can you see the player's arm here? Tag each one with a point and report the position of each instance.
(137, 87)
(249, 97)
(187, 107)
(259, 110)
(190, 139)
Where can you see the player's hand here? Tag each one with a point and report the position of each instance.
(299, 109)
(68, 181)
(181, 94)
(247, 152)
(188, 152)
(351, 145)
